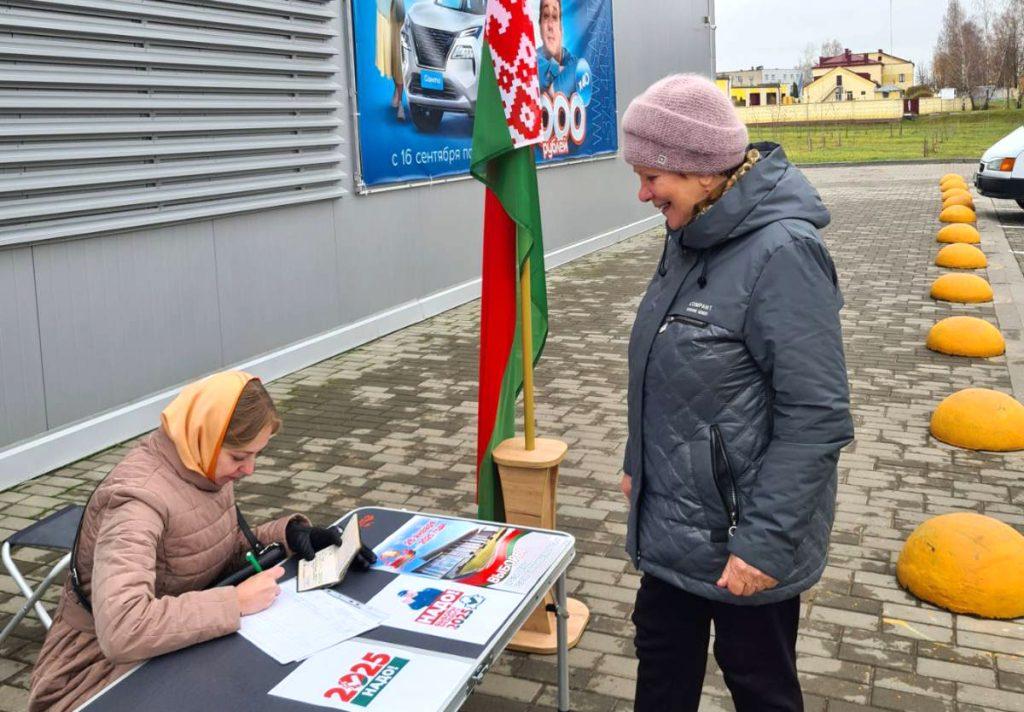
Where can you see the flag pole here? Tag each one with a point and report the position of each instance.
(526, 307)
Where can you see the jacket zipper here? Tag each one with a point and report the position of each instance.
(681, 319)
(725, 483)
(662, 270)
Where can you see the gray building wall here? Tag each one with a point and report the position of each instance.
(100, 328)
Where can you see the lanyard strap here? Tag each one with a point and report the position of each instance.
(254, 543)
(76, 585)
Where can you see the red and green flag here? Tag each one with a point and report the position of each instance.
(507, 124)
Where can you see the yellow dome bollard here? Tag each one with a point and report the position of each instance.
(949, 177)
(980, 419)
(958, 183)
(957, 214)
(964, 201)
(963, 288)
(966, 336)
(966, 563)
(959, 232)
(961, 256)
(947, 194)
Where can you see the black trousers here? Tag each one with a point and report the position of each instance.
(755, 647)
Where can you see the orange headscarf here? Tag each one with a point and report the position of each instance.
(197, 420)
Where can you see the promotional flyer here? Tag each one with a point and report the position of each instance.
(490, 556)
(366, 675)
(417, 63)
(448, 610)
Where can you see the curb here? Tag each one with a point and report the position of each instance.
(907, 162)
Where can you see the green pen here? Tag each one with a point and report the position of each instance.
(252, 560)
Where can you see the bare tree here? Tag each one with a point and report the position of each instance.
(950, 62)
(808, 58)
(924, 76)
(1008, 49)
(830, 48)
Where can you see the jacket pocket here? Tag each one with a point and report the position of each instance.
(725, 484)
(681, 319)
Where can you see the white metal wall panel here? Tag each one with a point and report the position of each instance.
(22, 406)
(117, 114)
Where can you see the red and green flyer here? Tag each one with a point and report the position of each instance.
(472, 553)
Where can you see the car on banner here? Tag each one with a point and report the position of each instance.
(442, 41)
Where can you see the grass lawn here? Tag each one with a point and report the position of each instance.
(965, 135)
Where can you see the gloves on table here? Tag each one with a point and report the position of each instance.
(306, 540)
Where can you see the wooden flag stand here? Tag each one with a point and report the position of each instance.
(528, 470)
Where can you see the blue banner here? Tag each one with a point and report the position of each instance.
(417, 63)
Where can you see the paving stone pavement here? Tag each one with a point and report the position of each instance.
(393, 423)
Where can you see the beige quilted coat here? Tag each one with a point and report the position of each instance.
(153, 536)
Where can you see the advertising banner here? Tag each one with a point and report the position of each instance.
(417, 63)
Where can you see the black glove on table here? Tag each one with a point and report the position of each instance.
(305, 540)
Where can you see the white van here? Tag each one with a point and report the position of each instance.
(1001, 173)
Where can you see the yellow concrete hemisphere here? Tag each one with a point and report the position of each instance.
(958, 183)
(980, 419)
(961, 256)
(966, 336)
(957, 214)
(947, 194)
(967, 563)
(962, 288)
(959, 232)
(959, 198)
(951, 176)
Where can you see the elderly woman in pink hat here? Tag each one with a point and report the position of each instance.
(738, 404)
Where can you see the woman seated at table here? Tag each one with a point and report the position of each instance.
(158, 531)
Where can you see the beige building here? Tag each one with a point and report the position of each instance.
(841, 84)
(891, 75)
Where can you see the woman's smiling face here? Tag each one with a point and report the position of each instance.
(674, 194)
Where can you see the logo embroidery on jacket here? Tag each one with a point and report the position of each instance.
(699, 308)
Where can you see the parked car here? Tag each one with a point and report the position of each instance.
(441, 45)
(1001, 172)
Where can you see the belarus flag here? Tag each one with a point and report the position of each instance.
(507, 124)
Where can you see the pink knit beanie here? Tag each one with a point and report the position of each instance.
(684, 124)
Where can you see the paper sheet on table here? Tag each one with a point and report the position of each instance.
(365, 675)
(300, 624)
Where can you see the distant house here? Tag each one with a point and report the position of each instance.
(744, 77)
(839, 77)
(786, 75)
(761, 95)
(756, 95)
(841, 84)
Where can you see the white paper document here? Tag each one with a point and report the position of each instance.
(360, 675)
(300, 624)
(445, 608)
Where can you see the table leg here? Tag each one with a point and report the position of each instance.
(561, 617)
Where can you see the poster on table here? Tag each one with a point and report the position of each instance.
(360, 675)
(417, 65)
(445, 609)
(472, 553)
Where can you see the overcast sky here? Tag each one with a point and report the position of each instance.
(774, 32)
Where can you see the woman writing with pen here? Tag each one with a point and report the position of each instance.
(157, 532)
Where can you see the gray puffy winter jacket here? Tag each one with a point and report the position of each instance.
(738, 398)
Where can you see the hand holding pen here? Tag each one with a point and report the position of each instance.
(257, 592)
